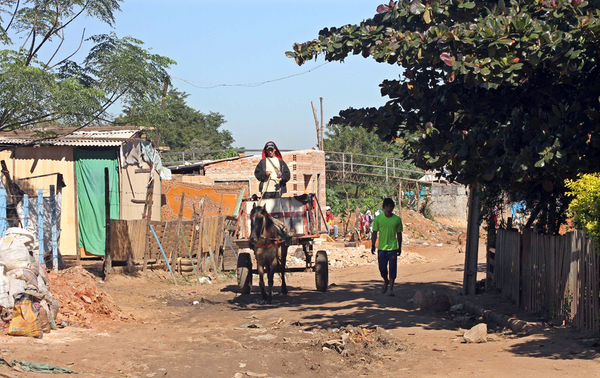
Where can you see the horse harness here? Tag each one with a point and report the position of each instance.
(277, 242)
(270, 244)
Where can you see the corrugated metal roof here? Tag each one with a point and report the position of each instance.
(88, 137)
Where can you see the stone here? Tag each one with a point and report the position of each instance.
(430, 299)
(477, 334)
(457, 307)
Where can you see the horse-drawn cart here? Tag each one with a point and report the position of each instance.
(300, 214)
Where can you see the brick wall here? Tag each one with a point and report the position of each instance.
(306, 166)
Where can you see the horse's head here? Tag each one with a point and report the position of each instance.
(259, 224)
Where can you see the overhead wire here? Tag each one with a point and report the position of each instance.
(250, 85)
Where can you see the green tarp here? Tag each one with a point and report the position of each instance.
(90, 165)
(37, 367)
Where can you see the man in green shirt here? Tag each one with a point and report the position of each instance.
(388, 226)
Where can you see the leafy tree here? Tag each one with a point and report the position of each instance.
(345, 197)
(181, 127)
(36, 91)
(585, 206)
(498, 92)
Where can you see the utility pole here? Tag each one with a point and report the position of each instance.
(317, 125)
(322, 142)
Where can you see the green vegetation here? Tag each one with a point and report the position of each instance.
(181, 127)
(346, 196)
(585, 206)
(498, 93)
(58, 90)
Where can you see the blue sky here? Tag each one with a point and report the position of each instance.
(243, 42)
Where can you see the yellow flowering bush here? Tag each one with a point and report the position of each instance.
(584, 209)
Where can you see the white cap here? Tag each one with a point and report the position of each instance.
(327, 207)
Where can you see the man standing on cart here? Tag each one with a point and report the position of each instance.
(272, 172)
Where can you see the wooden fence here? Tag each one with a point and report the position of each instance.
(36, 215)
(553, 275)
(206, 240)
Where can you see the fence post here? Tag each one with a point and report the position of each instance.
(54, 236)
(41, 226)
(343, 165)
(25, 210)
(3, 221)
(386, 169)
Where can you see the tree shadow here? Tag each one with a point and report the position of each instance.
(361, 303)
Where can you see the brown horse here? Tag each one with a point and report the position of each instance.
(270, 249)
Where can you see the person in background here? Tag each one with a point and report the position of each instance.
(368, 223)
(388, 226)
(272, 172)
(329, 220)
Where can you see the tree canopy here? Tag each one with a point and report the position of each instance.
(501, 93)
(181, 127)
(57, 89)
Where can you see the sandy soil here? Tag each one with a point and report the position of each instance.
(202, 330)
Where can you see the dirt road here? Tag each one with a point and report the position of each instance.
(351, 330)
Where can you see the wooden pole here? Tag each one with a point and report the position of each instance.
(321, 139)
(317, 124)
(177, 227)
(54, 235)
(418, 197)
(472, 244)
(201, 233)
(147, 215)
(107, 257)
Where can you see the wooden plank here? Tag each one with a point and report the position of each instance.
(147, 215)
(201, 234)
(177, 232)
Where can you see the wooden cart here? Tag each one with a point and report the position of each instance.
(300, 214)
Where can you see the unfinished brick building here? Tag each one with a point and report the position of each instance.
(307, 168)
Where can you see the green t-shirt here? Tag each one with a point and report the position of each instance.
(387, 228)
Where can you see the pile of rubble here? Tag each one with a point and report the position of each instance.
(34, 301)
(81, 303)
(340, 256)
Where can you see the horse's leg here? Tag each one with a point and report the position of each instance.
(271, 273)
(282, 257)
(261, 280)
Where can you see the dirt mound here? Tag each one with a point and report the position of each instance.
(420, 230)
(81, 303)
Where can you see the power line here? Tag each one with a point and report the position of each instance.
(212, 85)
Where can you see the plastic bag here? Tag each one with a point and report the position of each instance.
(13, 250)
(25, 320)
(4, 289)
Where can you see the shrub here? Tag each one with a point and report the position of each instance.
(584, 209)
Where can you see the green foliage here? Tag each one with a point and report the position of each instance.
(35, 91)
(585, 205)
(502, 93)
(181, 127)
(345, 197)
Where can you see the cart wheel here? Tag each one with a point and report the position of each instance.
(321, 271)
(244, 272)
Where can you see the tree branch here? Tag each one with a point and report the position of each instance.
(13, 17)
(64, 60)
